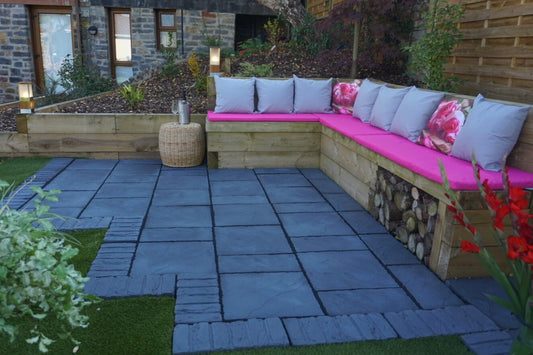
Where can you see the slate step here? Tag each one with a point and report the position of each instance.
(488, 343)
(206, 337)
(131, 286)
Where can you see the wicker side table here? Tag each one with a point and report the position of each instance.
(181, 145)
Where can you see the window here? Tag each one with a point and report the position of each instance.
(120, 24)
(166, 29)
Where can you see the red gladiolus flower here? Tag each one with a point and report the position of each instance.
(472, 229)
(469, 247)
(515, 246)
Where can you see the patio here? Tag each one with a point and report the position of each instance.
(264, 257)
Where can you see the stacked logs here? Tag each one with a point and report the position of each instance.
(406, 211)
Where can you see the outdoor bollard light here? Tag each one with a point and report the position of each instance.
(214, 59)
(26, 97)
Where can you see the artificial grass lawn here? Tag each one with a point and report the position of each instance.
(434, 346)
(16, 170)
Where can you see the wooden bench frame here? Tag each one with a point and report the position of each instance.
(355, 168)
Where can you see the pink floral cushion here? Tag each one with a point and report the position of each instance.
(344, 95)
(445, 124)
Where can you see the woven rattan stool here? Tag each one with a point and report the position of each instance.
(181, 145)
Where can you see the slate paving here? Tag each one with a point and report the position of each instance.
(264, 257)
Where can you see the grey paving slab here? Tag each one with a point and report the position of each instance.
(231, 174)
(132, 178)
(93, 164)
(427, 289)
(314, 224)
(178, 172)
(277, 171)
(389, 250)
(238, 188)
(68, 199)
(313, 174)
(173, 258)
(137, 169)
(183, 182)
(66, 211)
(345, 270)
(363, 223)
(112, 259)
(343, 202)
(293, 194)
(339, 329)
(197, 295)
(302, 207)
(284, 180)
(257, 263)
(185, 234)
(443, 321)
(251, 240)
(327, 186)
(126, 207)
(78, 179)
(197, 312)
(231, 200)
(124, 229)
(86, 223)
(131, 286)
(125, 190)
(189, 197)
(473, 291)
(207, 337)
(262, 295)
(178, 216)
(366, 301)
(244, 215)
(488, 343)
(340, 242)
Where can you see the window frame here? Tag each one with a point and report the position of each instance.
(160, 28)
(112, 46)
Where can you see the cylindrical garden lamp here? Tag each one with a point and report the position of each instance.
(26, 103)
(214, 59)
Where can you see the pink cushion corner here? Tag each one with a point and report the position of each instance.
(349, 125)
(261, 117)
(425, 162)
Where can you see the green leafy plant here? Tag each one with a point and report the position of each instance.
(252, 45)
(518, 247)
(428, 54)
(36, 278)
(274, 31)
(80, 79)
(261, 70)
(169, 52)
(308, 37)
(134, 95)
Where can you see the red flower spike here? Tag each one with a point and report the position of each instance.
(469, 247)
(472, 229)
(460, 220)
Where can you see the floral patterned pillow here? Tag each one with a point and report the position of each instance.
(445, 124)
(344, 95)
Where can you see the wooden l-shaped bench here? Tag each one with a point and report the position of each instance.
(411, 206)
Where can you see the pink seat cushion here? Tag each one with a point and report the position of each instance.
(349, 125)
(262, 117)
(425, 162)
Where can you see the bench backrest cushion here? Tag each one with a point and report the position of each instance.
(235, 95)
(275, 96)
(414, 112)
(312, 96)
(385, 107)
(364, 102)
(490, 132)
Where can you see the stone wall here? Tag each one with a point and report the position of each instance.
(15, 50)
(145, 56)
(201, 26)
(96, 48)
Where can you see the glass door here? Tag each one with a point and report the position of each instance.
(52, 43)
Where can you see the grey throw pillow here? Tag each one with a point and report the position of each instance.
(414, 112)
(364, 102)
(385, 107)
(312, 96)
(275, 96)
(234, 95)
(491, 131)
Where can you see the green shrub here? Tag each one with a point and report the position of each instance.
(80, 79)
(252, 45)
(261, 70)
(132, 94)
(36, 278)
(169, 52)
(274, 31)
(429, 53)
(308, 37)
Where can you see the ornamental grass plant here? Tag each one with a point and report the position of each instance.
(517, 246)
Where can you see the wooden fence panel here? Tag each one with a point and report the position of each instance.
(495, 56)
